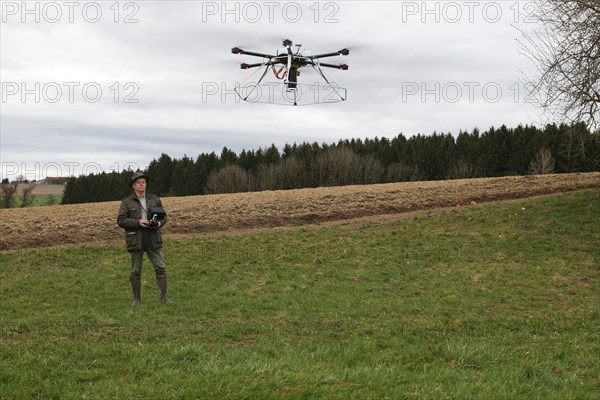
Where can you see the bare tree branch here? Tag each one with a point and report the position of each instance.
(565, 48)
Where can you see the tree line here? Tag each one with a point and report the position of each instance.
(496, 152)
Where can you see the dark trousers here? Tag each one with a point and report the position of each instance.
(155, 256)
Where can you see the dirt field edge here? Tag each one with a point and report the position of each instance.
(96, 222)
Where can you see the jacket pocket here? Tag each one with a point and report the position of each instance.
(131, 239)
(157, 241)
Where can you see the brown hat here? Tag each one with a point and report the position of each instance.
(137, 175)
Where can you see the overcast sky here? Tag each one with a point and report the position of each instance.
(90, 86)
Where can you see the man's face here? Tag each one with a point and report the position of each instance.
(139, 185)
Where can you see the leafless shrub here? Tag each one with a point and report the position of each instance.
(338, 166)
(9, 191)
(266, 177)
(291, 172)
(342, 166)
(461, 170)
(542, 163)
(401, 172)
(372, 170)
(27, 194)
(230, 179)
(51, 200)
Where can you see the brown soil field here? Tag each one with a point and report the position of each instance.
(96, 222)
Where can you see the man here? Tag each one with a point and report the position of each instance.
(143, 235)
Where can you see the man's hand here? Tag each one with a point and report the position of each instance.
(144, 223)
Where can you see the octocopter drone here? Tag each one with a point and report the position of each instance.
(286, 65)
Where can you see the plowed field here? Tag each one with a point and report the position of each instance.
(96, 222)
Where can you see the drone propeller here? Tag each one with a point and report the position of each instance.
(356, 46)
(352, 47)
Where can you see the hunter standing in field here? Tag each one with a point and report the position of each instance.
(142, 234)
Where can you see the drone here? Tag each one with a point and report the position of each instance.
(286, 65)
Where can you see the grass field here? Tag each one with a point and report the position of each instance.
(40, 200)
(493, 301)
(41, 195)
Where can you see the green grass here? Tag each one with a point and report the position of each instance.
(497, 301)
(38, 200)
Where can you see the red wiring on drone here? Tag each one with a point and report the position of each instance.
(277, 72)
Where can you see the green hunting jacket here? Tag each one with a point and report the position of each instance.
(130, 212)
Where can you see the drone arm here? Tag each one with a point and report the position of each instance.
(248, 66)
(343, 52)
(342, 67)
(237, 50)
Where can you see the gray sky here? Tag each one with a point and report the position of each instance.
(90, 86)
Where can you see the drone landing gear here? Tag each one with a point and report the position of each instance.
(294, 91)
(290, 92)
(292, 78)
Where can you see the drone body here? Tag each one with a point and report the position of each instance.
(286, 65)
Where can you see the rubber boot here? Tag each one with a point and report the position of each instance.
(161, 281)
(136, 287)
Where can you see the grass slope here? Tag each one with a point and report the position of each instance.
(498, 301)
(39, 200)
